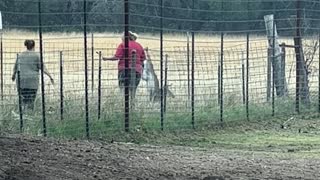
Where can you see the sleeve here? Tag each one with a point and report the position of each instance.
(38, 62)
(119, 53)
(15, 66)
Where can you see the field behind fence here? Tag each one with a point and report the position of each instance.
(219, 73)
(147, 115)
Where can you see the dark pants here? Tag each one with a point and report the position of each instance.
(133, 84)
(28, 97)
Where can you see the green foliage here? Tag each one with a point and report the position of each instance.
(107, 15)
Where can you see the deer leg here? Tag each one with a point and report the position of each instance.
(150, 96)
(131, 93)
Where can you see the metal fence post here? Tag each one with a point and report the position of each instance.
(192, 81)
(319, 75)
(192, 70)
(165, 82)
(126, 58)
(247, 88)
(161, 66)
(221, 76)
(188, 66)
(99, 86)
(1, 63)
(273, 65)
(61, 87)
(219, 79)
(92, 63)
(243, 78)
(19, 94)
(44, 123)
(86, 67)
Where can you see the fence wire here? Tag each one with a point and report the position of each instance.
(224, 74)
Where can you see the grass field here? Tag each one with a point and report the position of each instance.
(147, 116)
(265, 146)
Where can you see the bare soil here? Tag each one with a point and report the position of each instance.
(25, 158)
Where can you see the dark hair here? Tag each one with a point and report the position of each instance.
(29, 44)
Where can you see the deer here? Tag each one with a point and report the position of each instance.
(152, 81)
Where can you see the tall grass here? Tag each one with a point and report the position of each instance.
(146, 117)
(142, 120)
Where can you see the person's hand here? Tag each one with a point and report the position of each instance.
(13, 78)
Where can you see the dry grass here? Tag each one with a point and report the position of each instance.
(207, 51)
(207, 56)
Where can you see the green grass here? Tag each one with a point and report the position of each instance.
(262, 132)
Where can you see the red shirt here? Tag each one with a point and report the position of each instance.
(139, 54)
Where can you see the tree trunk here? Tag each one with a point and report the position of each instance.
(275, 56)
(302, 71)
(303, 75)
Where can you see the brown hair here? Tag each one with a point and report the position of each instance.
(29, 44)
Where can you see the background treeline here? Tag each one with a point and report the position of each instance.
(178, 15)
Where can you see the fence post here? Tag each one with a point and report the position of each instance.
(221, 76)
(274, 66)
(297, 43)
(99, 86)
(86, 67)
(247, 88)
(161, 65)
(280, 81)
(188, 66)
(1, 62)
(283, 68)
(192, 81)
(165, 82)
(19, 94)
(61, 87)
(243, 79)
(44, 123)
(192, 69)
(92, 63)
(126, 57)
(269, 81)
(319, 75)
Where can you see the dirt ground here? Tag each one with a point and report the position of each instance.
(25, 158)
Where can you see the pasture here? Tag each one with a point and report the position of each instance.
(265, 147)
(207, 57)
(228, 119)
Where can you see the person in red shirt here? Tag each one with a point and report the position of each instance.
(119, 55)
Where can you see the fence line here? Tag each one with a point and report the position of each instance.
(217, 78)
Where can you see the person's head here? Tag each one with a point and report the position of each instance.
(29, 44)
(132, 36)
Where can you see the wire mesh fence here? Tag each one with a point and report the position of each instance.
(219, 70)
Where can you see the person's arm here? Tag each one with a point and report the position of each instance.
(117, 56)
(45, 71)
(114, 58)
(14, 71)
